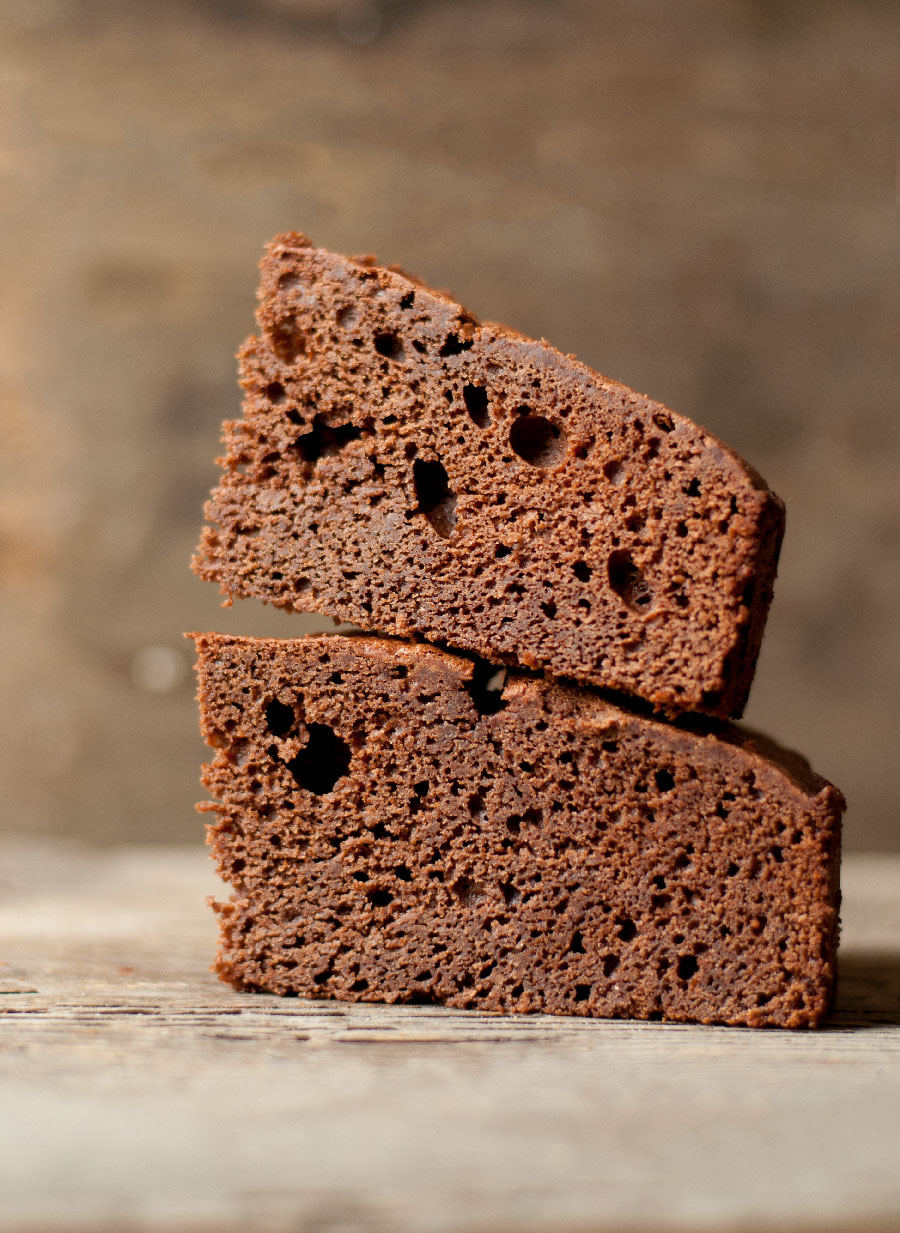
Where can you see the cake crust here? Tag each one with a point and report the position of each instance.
(403, 467)
(393, 830)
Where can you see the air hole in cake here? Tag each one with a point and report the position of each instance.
(510, 893)
(777, 854)
(324, 438)
(549, 609)
(419, 346)
(401, 872)
(692, 489)
(536, 440)
(275, 392)
(627, 928)
(468, 893)
(582, 993)
(476, 805)
(347, 315)
(359, 986)
(687, 967)
(408, 300)
(610, 963)
(453, 345)
(279, 718)
(626, 579)
(614, 471)
(502, 551)
(610, 746)
(582, 571)
(425, 997)
(663, 423)
(476, 400)
(287, 340)
(486, 687)
(665, 782)
(389, 344)
(437, 502)
(732, 870)
(323, 760)
(379, 898)
(576, 946)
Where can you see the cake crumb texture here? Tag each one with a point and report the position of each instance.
(395, 828)
(402, 466)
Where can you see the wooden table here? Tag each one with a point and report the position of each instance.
(139, 1093)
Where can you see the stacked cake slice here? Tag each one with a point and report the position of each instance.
(404, 823)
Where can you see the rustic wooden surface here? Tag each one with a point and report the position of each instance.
(138, 1093)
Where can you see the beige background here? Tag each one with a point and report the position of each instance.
(697, 197)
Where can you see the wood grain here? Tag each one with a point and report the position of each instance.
(140, 1093)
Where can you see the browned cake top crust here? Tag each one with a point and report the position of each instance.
(394, 830)
(403, 467)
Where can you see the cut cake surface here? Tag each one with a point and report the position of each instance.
(393, 830)
(403, 467)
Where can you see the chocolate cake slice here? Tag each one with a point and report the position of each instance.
(403, 467)
(395, 830)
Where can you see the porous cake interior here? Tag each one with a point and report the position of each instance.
(393, 830)
(403, 467)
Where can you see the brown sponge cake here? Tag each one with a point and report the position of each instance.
(395, 831)
(405, 468)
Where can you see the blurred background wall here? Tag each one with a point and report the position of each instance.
(697, 197)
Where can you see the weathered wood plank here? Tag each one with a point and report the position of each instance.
(140, 1093)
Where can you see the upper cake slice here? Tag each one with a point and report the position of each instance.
(401, 466)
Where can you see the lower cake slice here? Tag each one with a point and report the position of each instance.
(395, 830)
